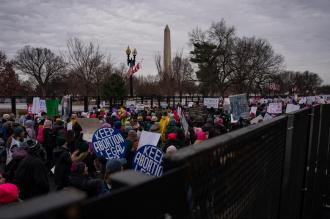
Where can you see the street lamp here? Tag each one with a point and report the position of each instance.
(130, 64)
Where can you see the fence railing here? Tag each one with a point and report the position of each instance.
(88, 102)
(275, 169)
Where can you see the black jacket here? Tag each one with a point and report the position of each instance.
(91, 186)
(31, 177)
(62, 159)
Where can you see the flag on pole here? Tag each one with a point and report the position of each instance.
(133, 69)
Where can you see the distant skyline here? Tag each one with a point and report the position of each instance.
(297, 29)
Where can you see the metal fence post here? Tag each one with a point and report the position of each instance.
(85, 104)
(13, 105)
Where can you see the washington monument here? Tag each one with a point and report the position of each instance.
(167, 52)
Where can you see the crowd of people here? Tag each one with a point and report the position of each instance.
(39, 154)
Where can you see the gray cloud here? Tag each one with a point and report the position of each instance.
(297, 29)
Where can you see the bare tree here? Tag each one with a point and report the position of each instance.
(213, 52)
(158, 62)
(85, 61)
(40, 64)
(255, 62)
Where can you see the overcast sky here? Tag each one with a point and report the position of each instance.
(297, 29)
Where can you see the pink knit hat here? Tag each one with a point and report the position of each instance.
(8, 193)
(201, 136)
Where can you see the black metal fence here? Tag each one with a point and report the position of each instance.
(87, 103)
(275, 169)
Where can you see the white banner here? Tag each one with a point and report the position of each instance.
(211, 103)
(148, 138)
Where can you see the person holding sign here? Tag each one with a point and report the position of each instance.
(148, 159)
(109, 143)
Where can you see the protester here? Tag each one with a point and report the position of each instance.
(29, 127)
(80, 180)
(112, 166)
(8, 193)
(41, 151)
(62, 159)
(31, 176)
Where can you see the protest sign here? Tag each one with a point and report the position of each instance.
(232, 120)
(183, 102)
(226, 104)
(211, 103)
(274, 108)
(148, 159)
(131, 105)
(253, 110)
(302, 100)
(267, 117)
(52, 107)
(320, 100)
(257, 119)
(89, 126)
(239, 106)
(291, 108)
(109, 143)
(163, 105)
(43, 107)
(130, 102)
(184, 123)
(148, 138)
(310, 100)
(35, 105)
(140, 106)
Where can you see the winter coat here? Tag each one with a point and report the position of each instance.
(62, 160)
(31, 177)
(40, 135)
(92, 187)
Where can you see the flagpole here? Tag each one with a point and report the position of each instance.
(131, 64)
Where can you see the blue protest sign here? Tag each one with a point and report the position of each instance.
(148, 159)
(109, 143)
(239, 106)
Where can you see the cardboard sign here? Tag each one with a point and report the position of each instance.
(89, 126)
(239, 106)
(211, 103)
(253, 110)
(148, 159)
(148, 138)
(291, 108)
(109, 143)
(274, 108)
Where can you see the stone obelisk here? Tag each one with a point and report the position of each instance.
(167, 52)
